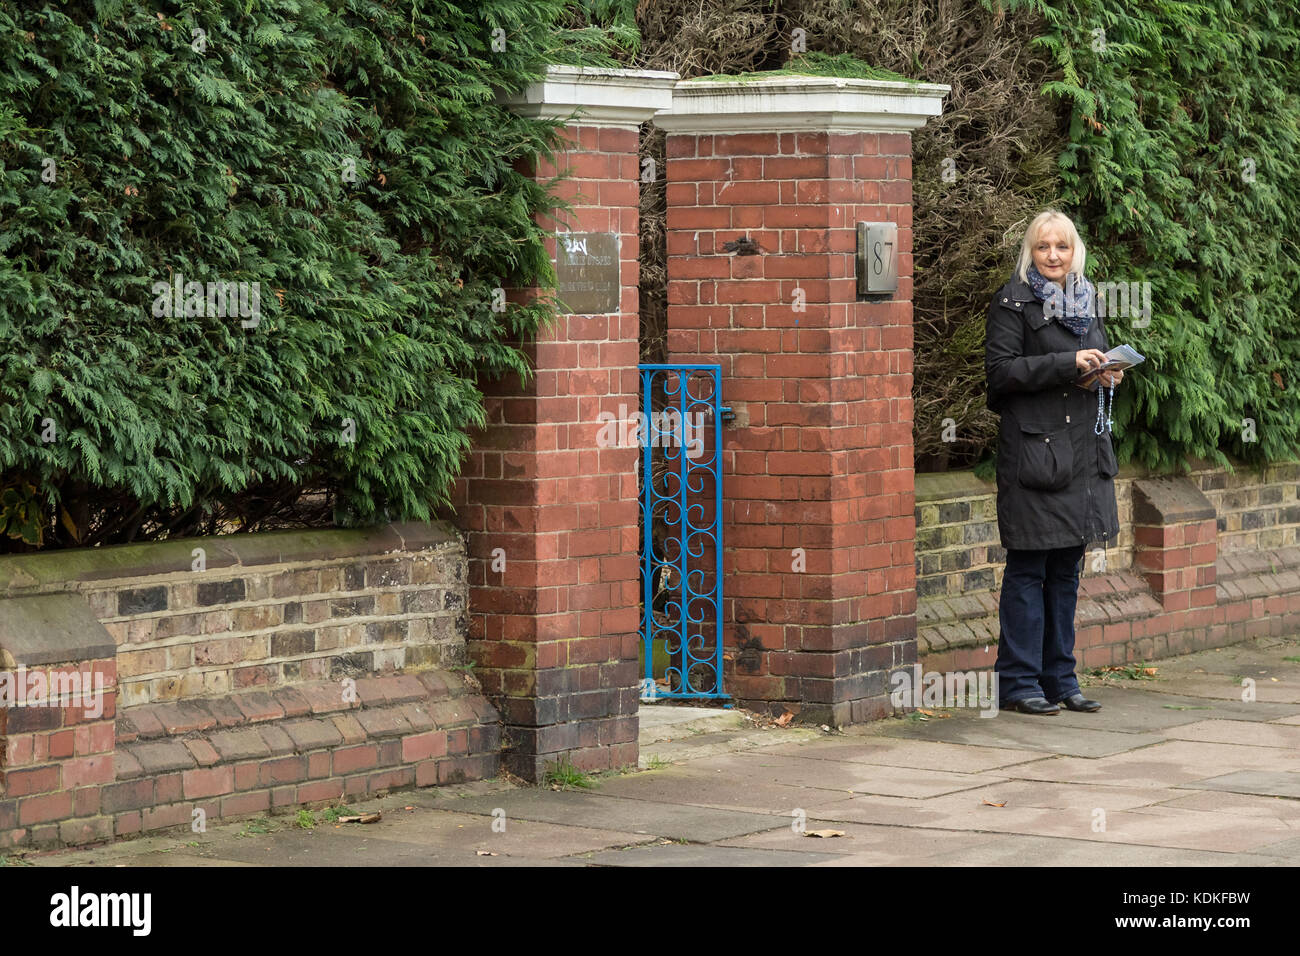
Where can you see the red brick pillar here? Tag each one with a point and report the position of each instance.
(58, 717)
(1175, 546)
(766, 183)
(550, 515)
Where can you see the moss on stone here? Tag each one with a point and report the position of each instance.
(841, 65)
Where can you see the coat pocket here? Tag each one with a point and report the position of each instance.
(1107, 465)
(1046, 458)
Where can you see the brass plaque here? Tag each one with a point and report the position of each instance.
(587, 270)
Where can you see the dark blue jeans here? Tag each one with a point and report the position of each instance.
(1036, 611)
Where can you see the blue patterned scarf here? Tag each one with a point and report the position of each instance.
(1050, 293)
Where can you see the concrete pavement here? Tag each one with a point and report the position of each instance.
(1176, 771)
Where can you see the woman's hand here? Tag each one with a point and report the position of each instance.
(1113, 377)
(1089, 359)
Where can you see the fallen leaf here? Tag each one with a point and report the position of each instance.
(484, 853)
(363, 818)
(824, 834)
(383, 180)
(990, 803)
(784, 719)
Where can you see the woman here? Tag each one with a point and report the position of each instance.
(1056, 492)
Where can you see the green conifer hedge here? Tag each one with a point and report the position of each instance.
(338, 184)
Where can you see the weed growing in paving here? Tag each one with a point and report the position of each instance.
(563, 776)
(1139, 671)
(256, 827)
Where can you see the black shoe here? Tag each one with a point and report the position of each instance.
(1080, 703)
(1032, 705)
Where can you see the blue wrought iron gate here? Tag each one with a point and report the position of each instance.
(681, 531)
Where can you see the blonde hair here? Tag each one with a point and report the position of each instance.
(1051, 217)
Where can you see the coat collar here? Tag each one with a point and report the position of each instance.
(1020, 291)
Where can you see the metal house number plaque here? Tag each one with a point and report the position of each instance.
(587, 270)
(877, 258)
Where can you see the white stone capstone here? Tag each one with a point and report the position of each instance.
(596, 96)
(790, 104)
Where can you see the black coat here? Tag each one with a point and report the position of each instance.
(1056, 483)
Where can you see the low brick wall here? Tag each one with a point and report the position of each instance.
(199, 617)
(1203, 560)
(232, 676)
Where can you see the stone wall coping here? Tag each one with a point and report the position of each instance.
(799, 103)
(595, 96)
(51, 629)
(941, 485)
(1164, 501)
(21, 573)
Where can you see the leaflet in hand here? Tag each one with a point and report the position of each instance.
(1117, 359)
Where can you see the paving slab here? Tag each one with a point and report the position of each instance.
(1172, 763)
(917, 754)
(696, 746)
(1238, 803)
(1015, 850)
(869, 844)
(286, 848)
(1144, 707)
(104, 859)
(706, 787)
(1026, 805)
(1146, 825)
(1239, 732)
(1224, 688)
(1195, 829)
(1015, 731)
(666, 721)
(865, 845)
(640, 817)
(1046, 795)
(843, 776)
(1288, 851)
(672, 855)
(465, 834)
(1262, 782)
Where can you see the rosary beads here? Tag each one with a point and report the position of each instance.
(1100, 428)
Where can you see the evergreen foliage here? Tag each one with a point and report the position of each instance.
(1184, 125)
(216, 140)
